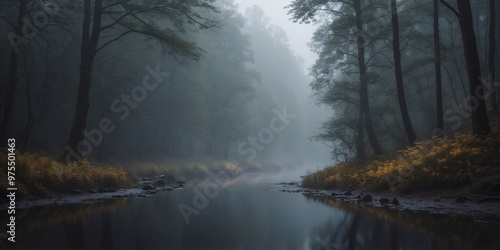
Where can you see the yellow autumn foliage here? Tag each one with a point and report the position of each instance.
(40, 175)
(460, 161)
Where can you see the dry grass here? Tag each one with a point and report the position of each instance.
(462, 161)
(41, 175)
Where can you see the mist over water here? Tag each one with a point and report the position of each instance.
(203, 124)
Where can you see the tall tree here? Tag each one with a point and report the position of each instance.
(437, 64)
(305, 11)
(16, 39)
(399, 73)
(480, 122)
(491, 58)
(129, 17)
(363, 81)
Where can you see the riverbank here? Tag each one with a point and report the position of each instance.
(445, 202)
(42, 180)
(458, 175)
(462, 162)
(144, 189)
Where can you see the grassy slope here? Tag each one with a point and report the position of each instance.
(39, 175)
(459, 162)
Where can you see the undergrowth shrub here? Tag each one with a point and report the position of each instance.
(462, 161)
(41, 175)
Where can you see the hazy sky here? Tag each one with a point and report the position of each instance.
(299, 35)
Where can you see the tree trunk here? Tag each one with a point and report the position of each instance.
(399, 74)
(491, 59)
(29, 102)
(437, 64)
(480, 123)
(88, 51)
(360, 141)
(496, 80)
(363, 95)
(13, 80)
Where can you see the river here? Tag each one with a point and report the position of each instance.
(247, 213)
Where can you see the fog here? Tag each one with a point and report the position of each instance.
(246, 81)
(299, 35)
(232, 84)
(282, 124)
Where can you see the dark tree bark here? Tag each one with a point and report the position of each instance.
(13, 79)
(364, 100)
(88, 51)
(29, 102)
(360, 138)
(480, 123)
(437, 64)
(491, 59)
(399, 74)
(496, 80)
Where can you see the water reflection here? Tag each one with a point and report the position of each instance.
(378, 228)
(245, 216)
(54, 227)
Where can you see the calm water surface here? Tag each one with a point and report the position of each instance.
(248, 213)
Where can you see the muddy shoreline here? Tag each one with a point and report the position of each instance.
(452, 203)
(145, 188)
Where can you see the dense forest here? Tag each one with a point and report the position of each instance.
(147, 124)
(126, 81)
(122, 81)
(395, 72)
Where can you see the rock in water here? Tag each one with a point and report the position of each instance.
(348, 193)
(366, 198)
(159, 183)
(384, 201)
(395, 201)
(148, 187)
